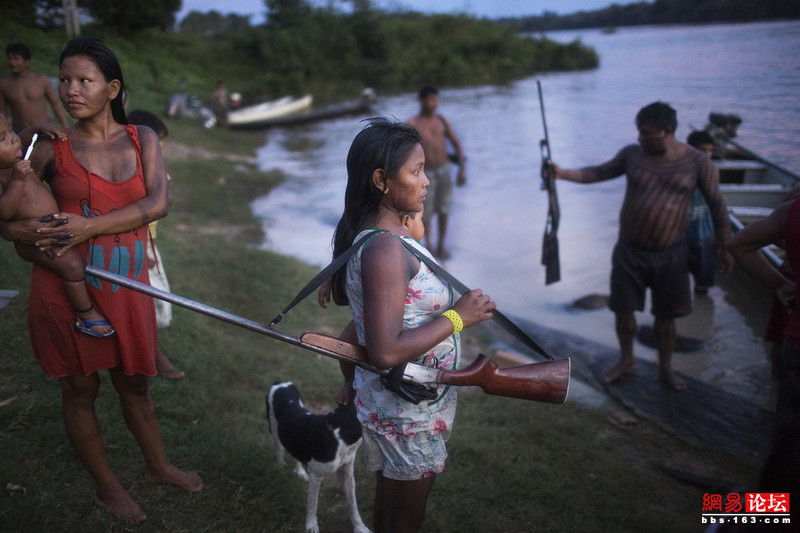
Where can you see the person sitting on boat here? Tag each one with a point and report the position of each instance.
(662, 174)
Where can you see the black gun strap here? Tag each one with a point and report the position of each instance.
(324, 274)
(502, 320)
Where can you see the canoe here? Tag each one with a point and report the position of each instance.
(268, 110)
(737, 164)
(751, 185)
(359, 106)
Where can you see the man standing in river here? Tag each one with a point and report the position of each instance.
(434, 130)
(662, 174)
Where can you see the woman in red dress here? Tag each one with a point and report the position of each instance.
(110, 182)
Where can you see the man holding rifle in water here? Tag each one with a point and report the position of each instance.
(662, 174)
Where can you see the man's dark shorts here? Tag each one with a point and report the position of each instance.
(664, 271)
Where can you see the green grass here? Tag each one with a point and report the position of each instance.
(514, 466)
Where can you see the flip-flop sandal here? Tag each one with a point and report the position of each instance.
(84, 326)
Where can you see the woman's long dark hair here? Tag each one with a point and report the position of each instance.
(382, 144)
(106, 62)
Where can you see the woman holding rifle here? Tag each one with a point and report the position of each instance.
(402, 313)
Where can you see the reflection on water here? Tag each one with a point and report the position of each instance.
(495, 231)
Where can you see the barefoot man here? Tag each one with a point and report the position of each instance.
(434, 129)
(662, 174)
(27, 93)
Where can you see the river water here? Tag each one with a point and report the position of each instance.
(752, 70)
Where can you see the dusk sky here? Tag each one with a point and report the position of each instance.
(481, 8)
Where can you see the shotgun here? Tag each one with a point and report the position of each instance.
(550, 258)
(542, 382)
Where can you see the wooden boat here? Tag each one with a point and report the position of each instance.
(751, 185)
(737, 164)
(268, 110)
(359, 106)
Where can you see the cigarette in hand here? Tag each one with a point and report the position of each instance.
(30, 148)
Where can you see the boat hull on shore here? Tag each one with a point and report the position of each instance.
(751, 185)
(248, 116)
(738, 165)
(359, 106)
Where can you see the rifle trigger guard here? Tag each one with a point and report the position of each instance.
(411, 390)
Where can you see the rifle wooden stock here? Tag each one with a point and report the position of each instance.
(351, 351)
(541, 382)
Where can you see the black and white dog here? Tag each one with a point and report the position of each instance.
(322, 444)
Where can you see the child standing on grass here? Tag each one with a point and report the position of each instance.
(23, 196)
(158, 278)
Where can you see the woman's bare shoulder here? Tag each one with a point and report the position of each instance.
(387, 253)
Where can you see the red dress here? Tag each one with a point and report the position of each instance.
(61, 349)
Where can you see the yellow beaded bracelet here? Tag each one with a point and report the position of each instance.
(454, 319)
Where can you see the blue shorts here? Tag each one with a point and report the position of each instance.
(665, 271)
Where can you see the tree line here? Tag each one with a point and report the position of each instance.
(659, 12)
(327, 51)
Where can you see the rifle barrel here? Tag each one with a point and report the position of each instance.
(544, 382)
(220, 315)
(546, 141)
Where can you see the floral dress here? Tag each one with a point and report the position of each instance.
(404, 440)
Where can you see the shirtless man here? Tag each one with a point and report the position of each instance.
(434, 129)
(662, 174)
(27, 93)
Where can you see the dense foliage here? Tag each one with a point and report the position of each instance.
(124, 17)
(401, 52)
(325, 52)
(660, 12)
(131, 17)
